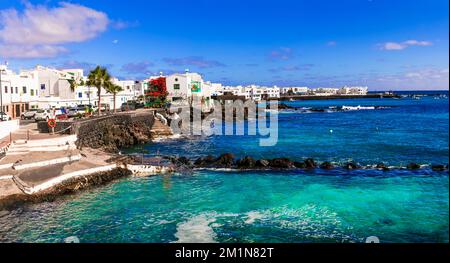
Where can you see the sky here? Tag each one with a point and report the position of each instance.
(383, 44)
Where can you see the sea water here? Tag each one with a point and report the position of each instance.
(275, 206)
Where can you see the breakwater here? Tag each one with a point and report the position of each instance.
(228, 160)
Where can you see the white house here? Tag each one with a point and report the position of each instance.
(353, 90)
(184, 88)
(325, 91)
(19, 92)
(294, 90)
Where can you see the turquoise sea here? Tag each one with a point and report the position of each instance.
(279, 206)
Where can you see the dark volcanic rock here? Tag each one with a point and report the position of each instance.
(350, 166)
(262, 163)
(382, 166)
(202, 162)
(225, 160)
(283, 106)
(184, 161)
(438, 167)
(327, 166)
(246, 163)
(300, 165)
(310, 163)
(283, 163)
(413, 166)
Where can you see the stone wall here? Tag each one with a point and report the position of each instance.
(62, 127)
(115, 131)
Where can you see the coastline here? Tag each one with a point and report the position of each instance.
(66, 164)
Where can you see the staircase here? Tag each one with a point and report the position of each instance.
(160, 130)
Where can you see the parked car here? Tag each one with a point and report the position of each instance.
(4, 117)
(28, 115)
(80, 109)
(60, 114)
(127, 106)
(104, 108)
(131, 105)
(72, 112)
(42, 115)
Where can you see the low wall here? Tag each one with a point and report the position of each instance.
(60, 126)
(114, 131)
(7, 127)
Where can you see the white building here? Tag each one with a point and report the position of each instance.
(325, 91)
(217, 89)
(54, 89)
(353, 90)
(272, 92)
(294, 90)
(19, 92)
(183, 88)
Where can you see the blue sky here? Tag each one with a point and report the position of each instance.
(383, 44)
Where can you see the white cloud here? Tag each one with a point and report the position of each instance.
(282, 53)
(45, 29)
(404, 44)
(31, 51)
(420, 79)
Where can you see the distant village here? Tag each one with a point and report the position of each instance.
(49, 88)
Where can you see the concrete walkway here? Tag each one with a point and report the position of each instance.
(31, 163)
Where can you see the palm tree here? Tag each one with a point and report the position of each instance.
(74, 84)
(99, 78)
(114, 89)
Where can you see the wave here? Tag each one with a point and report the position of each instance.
(197, 229)
(309, 222)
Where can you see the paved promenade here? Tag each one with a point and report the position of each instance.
(42, 158)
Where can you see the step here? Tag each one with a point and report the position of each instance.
(13, 150)
(67, 159)
(46, 142)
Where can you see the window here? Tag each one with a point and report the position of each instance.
(80, 94)
(176, 86)
(32, 92)
(12, 90)
(42, 86)
(24, 90)
(17, 90)
(6, 89)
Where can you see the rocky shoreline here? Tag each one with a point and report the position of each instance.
(115, 132)
(229, 161)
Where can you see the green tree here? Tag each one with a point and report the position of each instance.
(114, 89)
(99, 78)
(74, 84)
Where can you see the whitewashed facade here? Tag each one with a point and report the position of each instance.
(19, 92)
